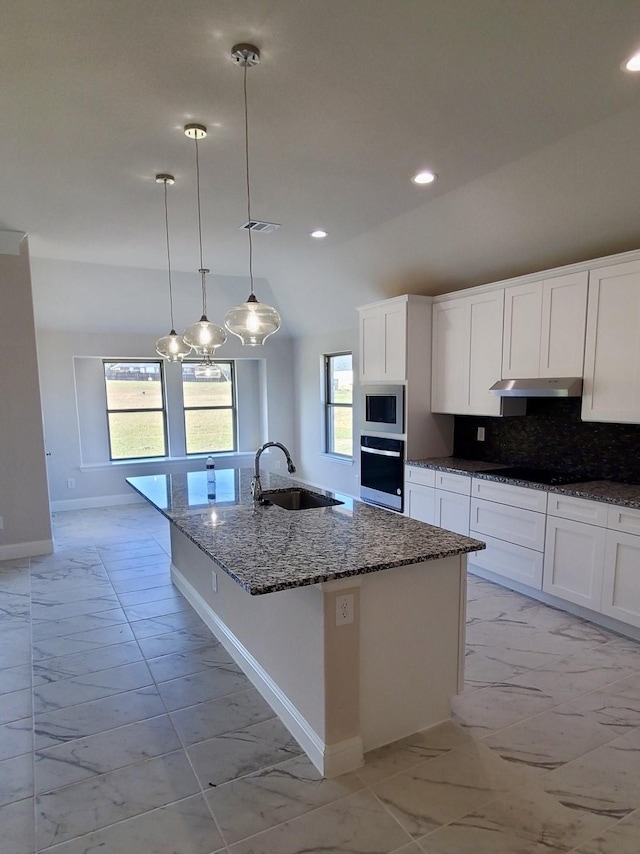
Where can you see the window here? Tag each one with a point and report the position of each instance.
(338, 373)
(209, 407)
(135, 410)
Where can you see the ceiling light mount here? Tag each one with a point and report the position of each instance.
(195, 131)
(165, 178)
(245, 55)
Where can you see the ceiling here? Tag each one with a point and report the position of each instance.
(520, 107)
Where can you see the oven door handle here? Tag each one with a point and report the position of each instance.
(378, 452)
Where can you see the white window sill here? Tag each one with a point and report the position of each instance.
(334, 458)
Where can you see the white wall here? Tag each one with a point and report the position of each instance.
(95, 483)
(313, 465)
(24, 504)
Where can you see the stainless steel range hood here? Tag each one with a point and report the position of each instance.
(535, 387)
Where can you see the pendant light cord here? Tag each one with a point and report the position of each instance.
(202, 271)
(246, 154)
(166, 226)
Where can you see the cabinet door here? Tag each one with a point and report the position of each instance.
(452, 511)
(574, 562)
(395, 342)
(450, 360)
(485, 352)
(621, 582)
(420, 503)
(612, 353)
(371, 345)
(522, 327)
(564, 313)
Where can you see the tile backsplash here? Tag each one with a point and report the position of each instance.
(552, 436)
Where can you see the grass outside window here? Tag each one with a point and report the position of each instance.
(209, 395)
(339, 404)
(136, 417)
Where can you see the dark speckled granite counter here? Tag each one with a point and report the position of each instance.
(266, 549)
(609, 492)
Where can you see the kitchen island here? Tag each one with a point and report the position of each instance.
(348, 619)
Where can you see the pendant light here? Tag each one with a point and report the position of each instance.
(253, 322)
(202, 337)
(171, 347)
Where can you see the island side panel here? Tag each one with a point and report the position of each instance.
(282, 631)
(412, 647)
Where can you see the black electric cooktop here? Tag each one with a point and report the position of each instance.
(533, 475)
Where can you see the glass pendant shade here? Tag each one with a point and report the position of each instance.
(172, 347)
(204, 337)
(253, 322)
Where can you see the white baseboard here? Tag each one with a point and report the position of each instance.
(33, 549)
(330, 760)
(97, 501)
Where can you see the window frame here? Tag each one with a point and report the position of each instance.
(162, 409)
(330, 405)
(233, 407)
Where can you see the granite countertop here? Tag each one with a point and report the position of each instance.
(607, 491)
(266, 549)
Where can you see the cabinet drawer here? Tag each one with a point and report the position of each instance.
(460, 483)
(513, 524)
(417, 474)
(624, 519)
(577, 509)
(505, 493)
(511, 561)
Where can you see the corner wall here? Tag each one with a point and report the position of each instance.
(24, 499)
(313, 465)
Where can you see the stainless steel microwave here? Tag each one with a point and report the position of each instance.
(383, 408)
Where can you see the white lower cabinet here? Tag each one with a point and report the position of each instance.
(578, 550)
(621, 578)
(517, 563)
(452, 511)
(446, 507)
(420, 503)
(513, 532)
(574, 561)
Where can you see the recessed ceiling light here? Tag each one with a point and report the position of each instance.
(319, 233)
(424, 177)
(633, 63)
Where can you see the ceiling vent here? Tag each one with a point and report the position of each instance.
(258, 225)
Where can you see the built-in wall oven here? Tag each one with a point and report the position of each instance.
(382, 471)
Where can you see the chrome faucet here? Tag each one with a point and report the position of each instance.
(256, 486)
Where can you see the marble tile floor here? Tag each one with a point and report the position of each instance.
(125, 727)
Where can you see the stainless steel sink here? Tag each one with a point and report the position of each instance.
(298, 499)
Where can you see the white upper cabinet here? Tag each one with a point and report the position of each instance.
(383, 341)
(612, 355)
(467, 351)
(544, 328)
(450, 360)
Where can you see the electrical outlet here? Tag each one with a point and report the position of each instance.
(214, 581)
(344, 609)
(71, 483)
(480, 435)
